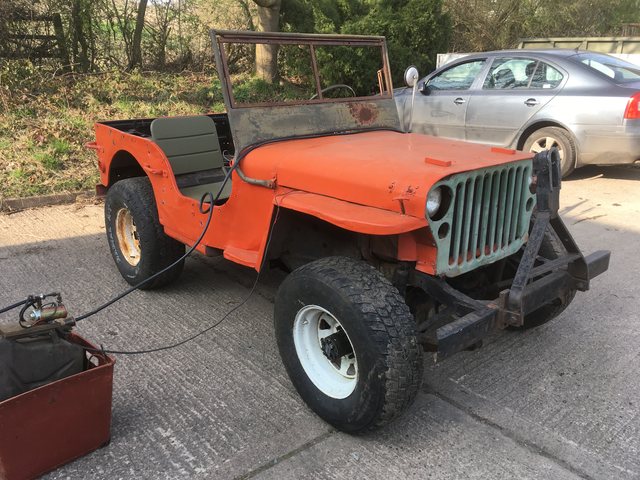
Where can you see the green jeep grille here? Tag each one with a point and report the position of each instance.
(487, 217)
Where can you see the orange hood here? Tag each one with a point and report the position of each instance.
(378, 169)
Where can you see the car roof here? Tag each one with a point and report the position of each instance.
(553, 52)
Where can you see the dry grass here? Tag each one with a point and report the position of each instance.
(45, 120)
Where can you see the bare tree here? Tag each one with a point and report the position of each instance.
(81, 21)
(136, 42)
(266, 54)
(160, 29)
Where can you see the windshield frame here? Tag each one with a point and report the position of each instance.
(220, 38)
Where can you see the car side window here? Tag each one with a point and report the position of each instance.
(510, 73)
(459, 77)
(546, 76)
(521, 73)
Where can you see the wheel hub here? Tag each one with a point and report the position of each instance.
(325, 351)
(336, 346)
(127, 236)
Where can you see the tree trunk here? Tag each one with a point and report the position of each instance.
(266, 54)
(136, 43)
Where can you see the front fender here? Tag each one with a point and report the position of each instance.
(350, 216)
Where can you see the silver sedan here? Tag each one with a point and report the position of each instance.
(584, 103)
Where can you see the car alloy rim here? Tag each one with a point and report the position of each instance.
(127, 236)
(325, 351)
(545, 143)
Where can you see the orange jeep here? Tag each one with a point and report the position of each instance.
(396, 242)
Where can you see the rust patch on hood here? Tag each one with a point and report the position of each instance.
(363, 113)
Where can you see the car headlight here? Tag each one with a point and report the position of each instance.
(434, 200)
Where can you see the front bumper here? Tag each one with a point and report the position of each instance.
(532, 287)
(477, 319)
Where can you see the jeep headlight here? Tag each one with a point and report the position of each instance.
(434, 200)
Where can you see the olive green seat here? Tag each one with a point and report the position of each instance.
(192, 147)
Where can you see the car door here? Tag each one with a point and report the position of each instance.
(440, 107)
(513, 90)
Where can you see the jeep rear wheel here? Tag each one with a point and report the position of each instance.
(348, 343)
(136, 238)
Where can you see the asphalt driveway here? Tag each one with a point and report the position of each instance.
(561, 401)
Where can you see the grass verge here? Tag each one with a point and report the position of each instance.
(45, 120)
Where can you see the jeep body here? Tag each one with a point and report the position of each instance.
(338, 177)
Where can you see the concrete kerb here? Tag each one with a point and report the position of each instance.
(10, 205)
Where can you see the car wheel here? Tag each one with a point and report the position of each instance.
(549, 137)
(136, 238)
(348, 343)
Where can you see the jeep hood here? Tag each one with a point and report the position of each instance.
(377, 168)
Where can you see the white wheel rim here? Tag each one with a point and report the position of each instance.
(334, 379)
(545, 143)
(127, 236)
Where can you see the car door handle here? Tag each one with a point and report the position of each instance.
(459, 101)
(530, 102)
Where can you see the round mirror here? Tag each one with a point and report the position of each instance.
(411, 76)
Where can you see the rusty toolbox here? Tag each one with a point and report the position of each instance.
(48, 426)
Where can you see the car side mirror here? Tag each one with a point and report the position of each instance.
(423, 88)
(411, 76)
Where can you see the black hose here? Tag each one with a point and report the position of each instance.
(210, 327)
(207, 198)
(15, 305)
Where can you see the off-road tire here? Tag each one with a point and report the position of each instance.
(565, 142)
(380, 327)
(157, 250)
(551, 248)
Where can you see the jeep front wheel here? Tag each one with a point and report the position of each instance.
(348, 343)
(137, 241)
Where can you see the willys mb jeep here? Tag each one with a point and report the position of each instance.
(396, 243)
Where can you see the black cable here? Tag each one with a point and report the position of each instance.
(31, 302)
(15, 305)
(211, 202)
(214, 325)
(206, 198)
(30, 298)
(209, 211)
(209, 195)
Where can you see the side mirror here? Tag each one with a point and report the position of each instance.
(411, 76)
(423, 88)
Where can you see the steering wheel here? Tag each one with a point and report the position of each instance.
(333, 87)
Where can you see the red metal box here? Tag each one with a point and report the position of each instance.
(49, 426)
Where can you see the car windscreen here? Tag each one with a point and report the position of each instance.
(304, 69)
(616, 69)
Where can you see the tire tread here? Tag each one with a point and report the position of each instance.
(388, 318)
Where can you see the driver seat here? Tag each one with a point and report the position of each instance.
(192, 147)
